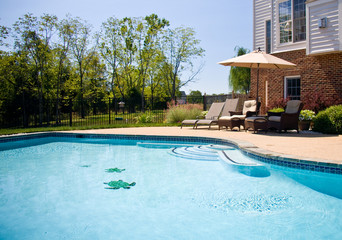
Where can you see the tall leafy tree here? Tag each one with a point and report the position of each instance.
(128, 32)
(33, 37)
(80, 39)
(181, 48)
(110, 46)
(148, 47)
(239, 77)
(96, 87)
(155, 75)
(61, 50)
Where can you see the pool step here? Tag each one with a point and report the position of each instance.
(160, 145)
(219, 147)
(243, 164)
(201, 153)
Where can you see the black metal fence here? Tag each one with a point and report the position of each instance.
(91, 112)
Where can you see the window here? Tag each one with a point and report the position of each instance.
(292, 88)
(285, 17)
(299, 20)
(268, 36)
(292, 12)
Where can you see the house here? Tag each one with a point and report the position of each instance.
(307, 33)
(182, 99)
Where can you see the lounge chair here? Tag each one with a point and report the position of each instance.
(229, 106)
(213, 113)
(237, 118)
(287, 120)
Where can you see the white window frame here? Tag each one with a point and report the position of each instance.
(286, 46)
(268, 20)
(285, 84)
(278, 24)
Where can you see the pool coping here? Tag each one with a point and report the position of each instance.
(248, 148)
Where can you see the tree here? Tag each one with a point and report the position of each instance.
(80, 39)
(110, 46)
(155, 76)
(61, 51)
(239, 77)
(96, 87)
(33, 38)
(195, 96)
(148, 47)
(4, 33)
(128, 33)
(180, 49)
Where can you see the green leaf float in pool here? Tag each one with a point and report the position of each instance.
(119, 184)
(110, 170)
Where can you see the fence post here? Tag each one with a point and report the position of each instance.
(204, 102)
(115, 108)
(109, 110)
(70, 112)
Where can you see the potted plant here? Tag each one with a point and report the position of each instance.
(275, 111)
(305, 119)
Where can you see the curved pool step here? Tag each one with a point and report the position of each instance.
(195, 153)
(160, 145)
(243, 164)
(219, 147)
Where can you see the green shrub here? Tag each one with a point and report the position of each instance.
(144, 118)
(276, 110)
(329, 120)
(307, 115)
(178, 113)
(203, 114)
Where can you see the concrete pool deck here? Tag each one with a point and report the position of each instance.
(306, 145)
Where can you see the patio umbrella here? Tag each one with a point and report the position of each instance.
(257, 59)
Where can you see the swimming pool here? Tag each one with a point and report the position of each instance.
(53, 188)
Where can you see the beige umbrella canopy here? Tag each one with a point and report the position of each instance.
(257, 59)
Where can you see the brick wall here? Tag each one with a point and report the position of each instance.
(320, 73)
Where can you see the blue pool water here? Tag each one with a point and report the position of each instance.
(54, 189)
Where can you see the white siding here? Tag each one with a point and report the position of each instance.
(323, 40)
(318, 40)
(262, 12)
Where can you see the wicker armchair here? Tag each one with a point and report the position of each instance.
(237, 118)
(287, 120)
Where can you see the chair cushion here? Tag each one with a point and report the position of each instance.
(205, 122)
(189, 121)
(251, 119)
(250, 105)
(242, 117)
(292, 106)
(225, 118)
(274, 118)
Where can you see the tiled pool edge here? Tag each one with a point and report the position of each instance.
(248, 148)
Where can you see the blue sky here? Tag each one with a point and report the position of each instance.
(220, 25)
